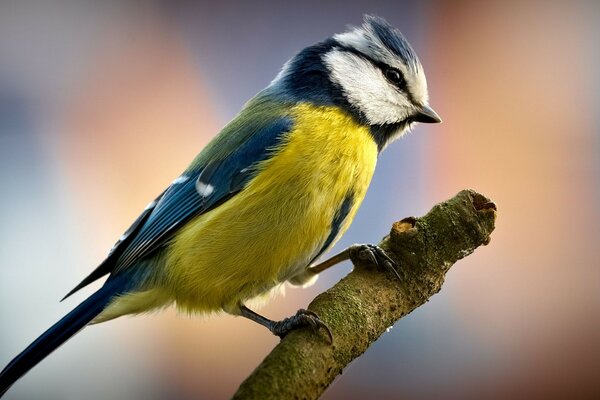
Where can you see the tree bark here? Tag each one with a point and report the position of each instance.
(360, 307)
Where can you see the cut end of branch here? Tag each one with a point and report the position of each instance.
(362, 306)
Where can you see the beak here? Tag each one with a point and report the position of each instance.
(426, 115)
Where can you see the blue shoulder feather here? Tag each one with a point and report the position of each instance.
(216, 182)
(224, 172)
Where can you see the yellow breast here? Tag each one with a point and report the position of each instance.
(271, 230)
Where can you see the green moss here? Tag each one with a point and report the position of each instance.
(361, 306)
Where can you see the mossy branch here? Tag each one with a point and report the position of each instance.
(360, 307)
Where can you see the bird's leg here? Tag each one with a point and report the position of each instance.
(285, 326)
(359, 252)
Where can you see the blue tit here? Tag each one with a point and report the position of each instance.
(274, 190)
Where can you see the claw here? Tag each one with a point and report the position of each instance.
(302, 318)
(308, 312)
(390, 266)
(375, 255)
(369, 255)
(323, 325)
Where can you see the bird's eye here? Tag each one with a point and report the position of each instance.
(395, 76)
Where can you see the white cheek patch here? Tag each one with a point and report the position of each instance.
(366, 88)
(417, 84)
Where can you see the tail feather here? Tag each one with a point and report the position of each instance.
(62, 331)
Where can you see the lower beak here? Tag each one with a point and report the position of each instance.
(426, 115)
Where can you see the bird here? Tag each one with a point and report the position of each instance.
(272, 192)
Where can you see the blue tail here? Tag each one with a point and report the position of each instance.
(62, 331)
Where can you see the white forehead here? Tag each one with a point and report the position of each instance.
(367, 42)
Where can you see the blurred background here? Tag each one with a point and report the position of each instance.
(102, 104)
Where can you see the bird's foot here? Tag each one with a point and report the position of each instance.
(302, 318)
(373, 254)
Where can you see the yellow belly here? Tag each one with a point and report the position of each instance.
(271, 230)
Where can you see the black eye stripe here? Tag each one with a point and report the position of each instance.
(384, 68)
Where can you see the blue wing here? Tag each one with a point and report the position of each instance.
(197, 191)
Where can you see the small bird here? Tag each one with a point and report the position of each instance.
(272, 192)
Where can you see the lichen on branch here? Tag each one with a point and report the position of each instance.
(360, 307)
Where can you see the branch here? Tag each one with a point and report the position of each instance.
(360, 307)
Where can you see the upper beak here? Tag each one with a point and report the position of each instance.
(426, 115)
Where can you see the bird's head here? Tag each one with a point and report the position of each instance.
(371, 71)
